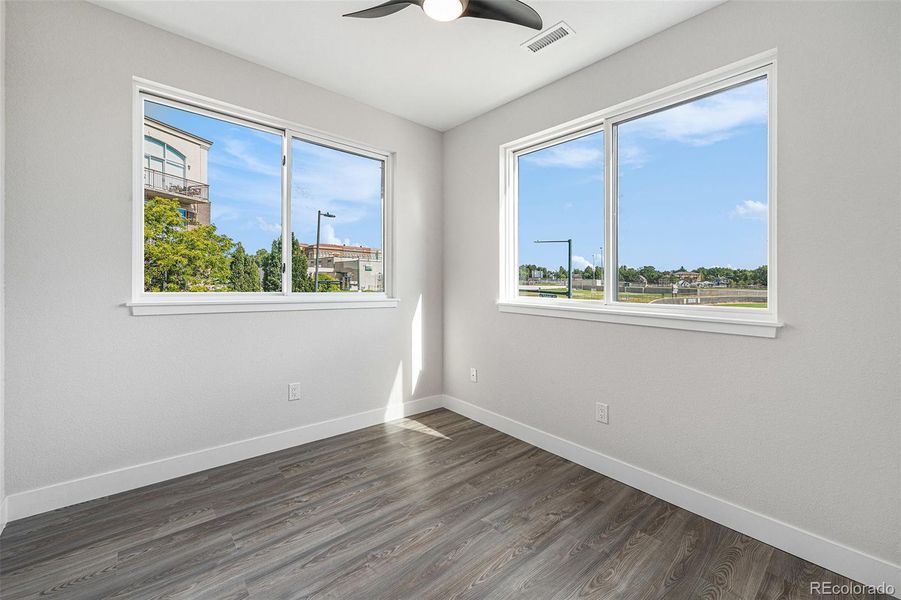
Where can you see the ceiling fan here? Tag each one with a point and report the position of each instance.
(509, 11)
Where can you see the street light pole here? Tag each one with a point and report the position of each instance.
(599, 269)
(569, 262)
(316, 270)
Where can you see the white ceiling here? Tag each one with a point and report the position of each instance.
(436, 74)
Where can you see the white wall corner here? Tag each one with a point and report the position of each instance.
(832, 555)
(3, 513)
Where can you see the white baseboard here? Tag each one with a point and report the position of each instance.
(3, 513)
(816, 549)
(67, 493)
(836, 557)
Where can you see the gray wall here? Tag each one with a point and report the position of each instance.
(805, 428)
(91, 388)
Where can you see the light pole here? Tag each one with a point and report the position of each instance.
(599, 268)
(569, 263)
(598, 261)
(316, 270)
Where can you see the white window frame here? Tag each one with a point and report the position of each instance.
(168, 303)
(739, 321)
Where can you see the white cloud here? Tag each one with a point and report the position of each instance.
(265, 225)
(750, 209)
(222, 212)
(631, 155)
(567, 155)
(328, 236)
(270, 138)
(236, 154)
(579, 262)
(325, 175)
(708, 120)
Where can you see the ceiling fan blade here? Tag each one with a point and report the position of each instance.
(510, 11)
(383, 10)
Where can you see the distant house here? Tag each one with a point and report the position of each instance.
(340, 251)
(687, 276)
(175, 166)
(356, 267)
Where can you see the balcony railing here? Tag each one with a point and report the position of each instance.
(173, 184)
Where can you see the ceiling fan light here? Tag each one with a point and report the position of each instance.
(443, 10)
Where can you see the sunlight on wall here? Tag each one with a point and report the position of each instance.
(395, 407)
(416, 347)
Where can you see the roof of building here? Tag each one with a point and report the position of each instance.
(176, 129)
(339, 247)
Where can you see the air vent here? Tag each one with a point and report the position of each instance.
(553, 35)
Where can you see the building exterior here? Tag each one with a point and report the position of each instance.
(175, 166)
(340, 251)
(355, 267)
(687, 276)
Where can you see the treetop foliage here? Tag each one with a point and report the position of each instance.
(180, 256)
(651, 275)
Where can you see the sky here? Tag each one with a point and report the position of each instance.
(692, 188)
(244, 171)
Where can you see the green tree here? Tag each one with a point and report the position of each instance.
(759, 276)
(262, 255)
(245, 272)
(588, 273)
(300, 278)
(650, 273)
(628, 274)
(329, 283)
(272, 268)
(524, 273)
(182, 259)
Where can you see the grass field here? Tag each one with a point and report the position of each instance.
(637, 298)
(597, 295)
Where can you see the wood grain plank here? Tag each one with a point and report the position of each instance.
(435, 506)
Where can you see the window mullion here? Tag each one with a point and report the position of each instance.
(610, 213)
(511, 227)
(287, 246)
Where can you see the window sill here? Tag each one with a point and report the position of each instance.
(743, 324)
(189, 306)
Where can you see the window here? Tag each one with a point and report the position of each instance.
(239, 212)
(212, 232)
(338, 196)
(561, 219)
(658, 212)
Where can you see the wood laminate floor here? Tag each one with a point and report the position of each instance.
(435, 506)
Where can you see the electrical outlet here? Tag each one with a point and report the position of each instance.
(473, 375)
(293, 391)
(600, 414)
